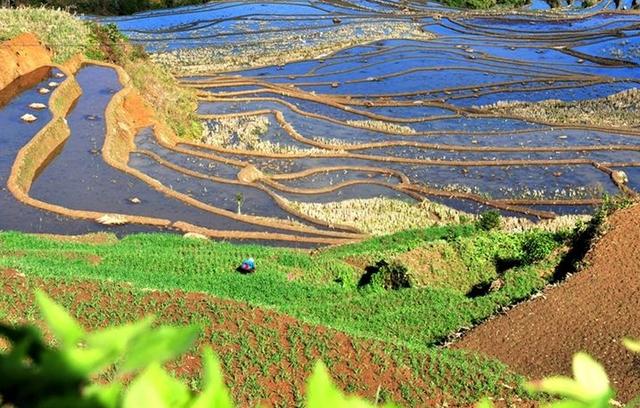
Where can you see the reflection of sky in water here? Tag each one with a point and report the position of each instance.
(475, 61)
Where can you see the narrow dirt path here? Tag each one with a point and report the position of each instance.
(592, 311)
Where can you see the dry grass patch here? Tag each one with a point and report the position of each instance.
(381, 216)
(561, 223)
(246, 133)
(97, 238)
(275, 49)
(620, 110)
(60, 31)
(383, 126)
(172, 103)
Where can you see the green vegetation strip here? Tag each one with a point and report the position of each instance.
(320, 288)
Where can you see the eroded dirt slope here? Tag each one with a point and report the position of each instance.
(20, 56)
(590, 312)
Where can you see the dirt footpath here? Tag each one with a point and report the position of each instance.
(590, 312)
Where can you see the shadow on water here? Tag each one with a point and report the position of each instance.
(22, 84)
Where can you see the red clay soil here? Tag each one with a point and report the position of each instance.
(592, 311)
(20, 56)
(266, 356)
(139, 113)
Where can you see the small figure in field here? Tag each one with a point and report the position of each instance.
(248, 266)
(239, 201)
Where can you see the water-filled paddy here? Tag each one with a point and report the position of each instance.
(321, 102)
(423, 107)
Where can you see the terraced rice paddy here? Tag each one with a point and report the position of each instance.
(371, 132)
(311, 103)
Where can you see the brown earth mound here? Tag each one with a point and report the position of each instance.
(438, 265)
(20, 56)
(592, 311)
(141, 115)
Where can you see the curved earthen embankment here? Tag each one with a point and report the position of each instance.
(125, 115)
(34, 156)
(20, 56)
(592, 311)
(321, 149)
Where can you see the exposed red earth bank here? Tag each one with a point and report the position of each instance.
(20, 56)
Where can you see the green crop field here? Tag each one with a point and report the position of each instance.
(320, 288)
(267, 355)
(299, 306)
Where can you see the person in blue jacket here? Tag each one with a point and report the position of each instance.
(248, 265)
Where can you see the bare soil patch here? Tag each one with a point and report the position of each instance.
(140, 114)
(20, 56)
(592, 311)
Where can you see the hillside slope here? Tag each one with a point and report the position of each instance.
(590, 312)
(266, 356)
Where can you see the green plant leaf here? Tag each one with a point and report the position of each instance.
(116, 339)
(591, 376)
(63, 326)
(631, 344)
(155, 388)
(571, 404)
(484, 403)
(158, 346)
(107, 396)
(87, 362)
(214, 392)
(590, 386)
(321, 392)
(558, 386)
(119, 336)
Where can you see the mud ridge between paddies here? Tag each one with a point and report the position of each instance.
(592, 311)
(267, 356)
